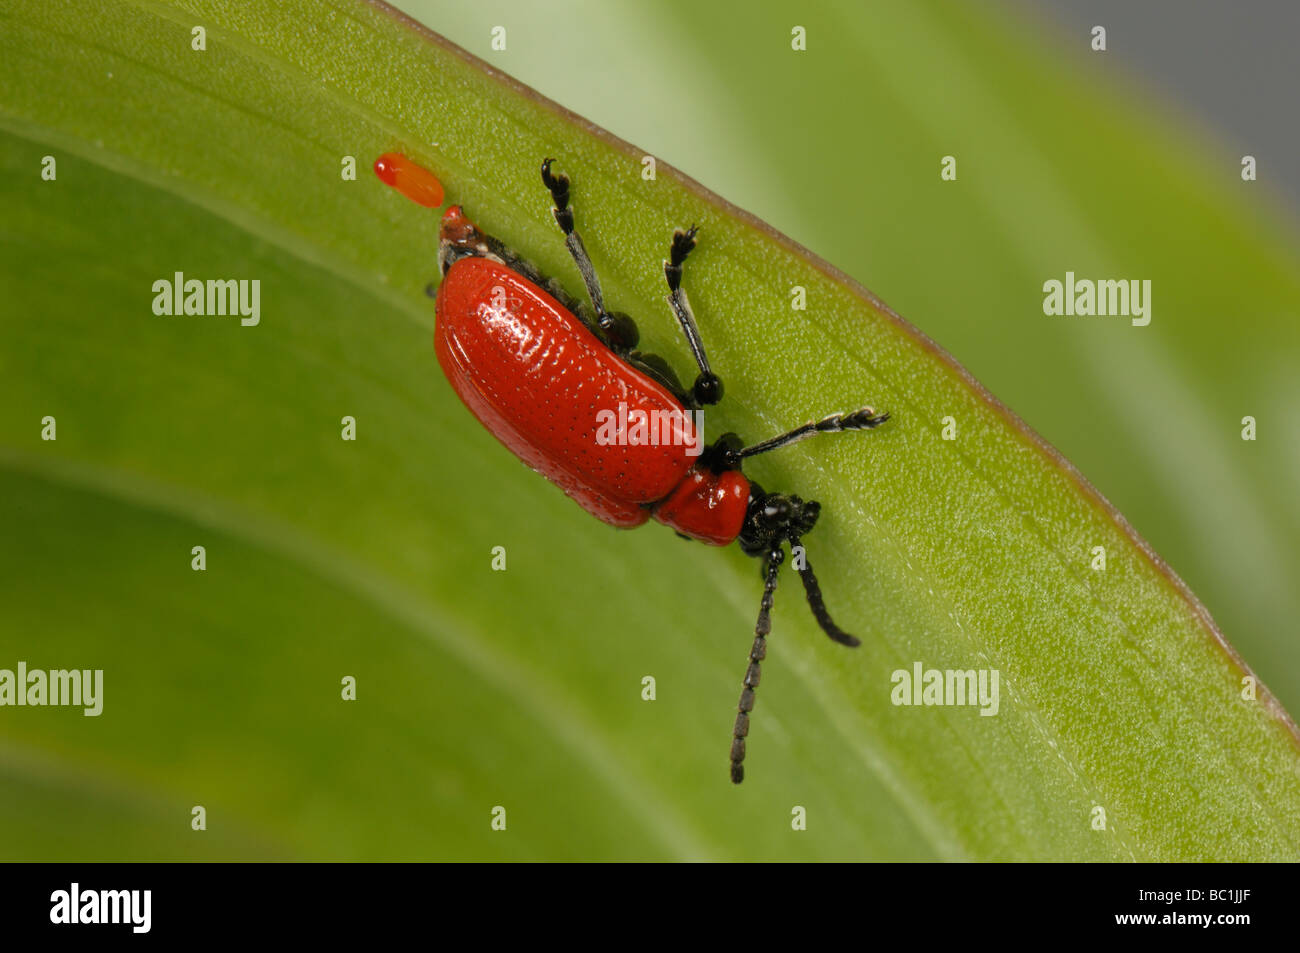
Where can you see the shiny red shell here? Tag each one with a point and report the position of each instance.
(545, 386)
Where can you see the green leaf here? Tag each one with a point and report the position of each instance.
(328, 558)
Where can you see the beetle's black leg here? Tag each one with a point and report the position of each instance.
(752, 674)
(559, 189)
(618, 330)
(864, 419)
(708, 386)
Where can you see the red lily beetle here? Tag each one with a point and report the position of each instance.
(541, 371)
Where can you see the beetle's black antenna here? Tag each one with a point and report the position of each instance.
(815, 600)
(619, 330)
(864, 419)
(754, 672)
(708, 386)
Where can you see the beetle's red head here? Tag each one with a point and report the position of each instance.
(458, 237)
(457, 228)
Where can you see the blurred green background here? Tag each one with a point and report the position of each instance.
(328, 558)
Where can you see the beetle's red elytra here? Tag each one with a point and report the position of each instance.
(540, 371)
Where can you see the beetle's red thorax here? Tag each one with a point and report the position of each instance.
(539, 380)
(707, 506)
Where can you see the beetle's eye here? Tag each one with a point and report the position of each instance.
(777, 508)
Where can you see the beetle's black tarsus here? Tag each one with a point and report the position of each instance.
(864, 419)
(708, 388)
(615, 328)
